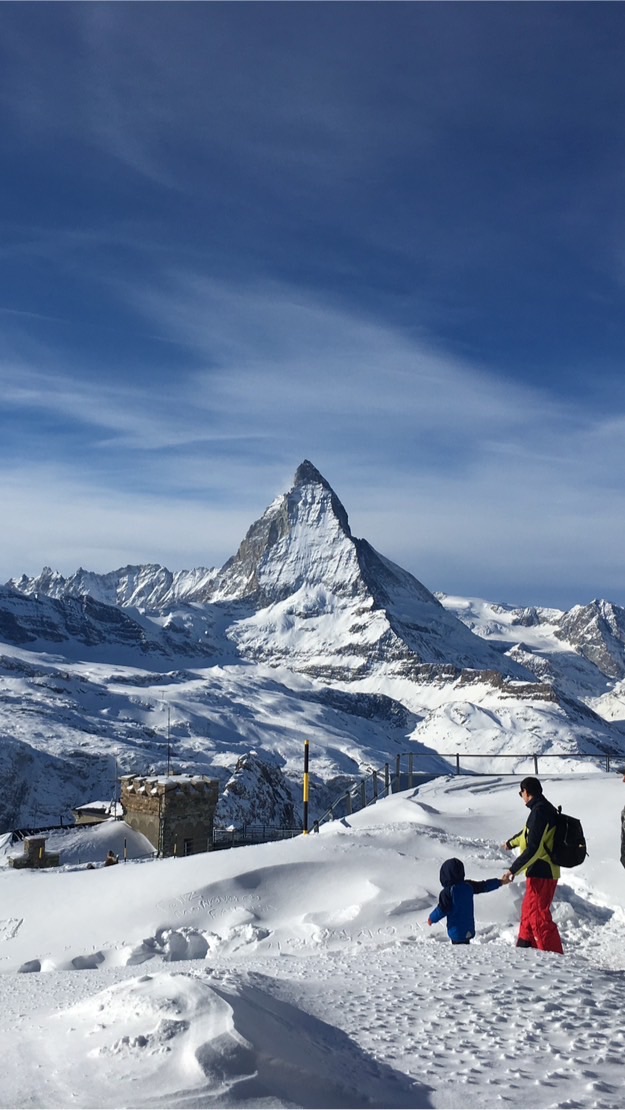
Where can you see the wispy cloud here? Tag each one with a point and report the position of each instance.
(118, 417)
(396, 220)
(263, 349)
(444, 465)
(65, 521)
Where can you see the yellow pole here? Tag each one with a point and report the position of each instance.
(306, 754)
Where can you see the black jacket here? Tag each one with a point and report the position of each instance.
(535, 840)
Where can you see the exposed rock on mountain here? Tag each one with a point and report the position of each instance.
(257, 794)
(36, 620)
(579, 652)
(330, 604)
(142, 587)
(38, 787)
(305, 633)
(598, 632)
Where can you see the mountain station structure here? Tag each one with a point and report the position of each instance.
(175, 812)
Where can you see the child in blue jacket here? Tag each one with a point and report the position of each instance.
(455, 901)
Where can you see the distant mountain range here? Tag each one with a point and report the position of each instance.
(305, 633)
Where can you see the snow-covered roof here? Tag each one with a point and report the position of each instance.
(113, 809)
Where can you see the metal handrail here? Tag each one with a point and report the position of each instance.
(253, 834)
(358, 790)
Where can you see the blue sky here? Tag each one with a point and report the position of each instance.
(387, 237)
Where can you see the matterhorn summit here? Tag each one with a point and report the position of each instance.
(330, 604)
(302, 541)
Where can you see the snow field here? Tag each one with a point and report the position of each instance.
(303, 973)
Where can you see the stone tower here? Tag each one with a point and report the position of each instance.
(175, 812)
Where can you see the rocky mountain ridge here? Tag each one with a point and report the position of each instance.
(369, 662)
(298, 563)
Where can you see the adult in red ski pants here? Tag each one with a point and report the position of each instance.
(537, 928)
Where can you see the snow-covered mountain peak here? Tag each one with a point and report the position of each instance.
(597, 631)
(50, 582)
(330, 604)
(301, 591)
(302, 539)
(147, 586)
(307, 474)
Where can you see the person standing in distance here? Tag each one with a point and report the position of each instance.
(537, 928)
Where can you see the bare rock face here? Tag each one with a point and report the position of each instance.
(598, 632)
(33, 618)
(329, 604)
(257, 794)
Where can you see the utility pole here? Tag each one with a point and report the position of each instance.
(168, 740)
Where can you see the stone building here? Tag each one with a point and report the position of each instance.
(95, 812)
(35, 854)
(174, 812)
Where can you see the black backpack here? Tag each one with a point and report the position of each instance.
(569, 843)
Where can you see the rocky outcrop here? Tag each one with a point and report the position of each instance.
(258, 793)
(598, 632)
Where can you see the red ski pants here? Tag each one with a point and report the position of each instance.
(537, 928)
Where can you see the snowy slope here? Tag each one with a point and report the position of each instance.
(66, 730)
(303, 974)
(582, 651)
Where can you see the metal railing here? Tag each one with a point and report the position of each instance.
(252, 834)
(17, 835)
(380, 783)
